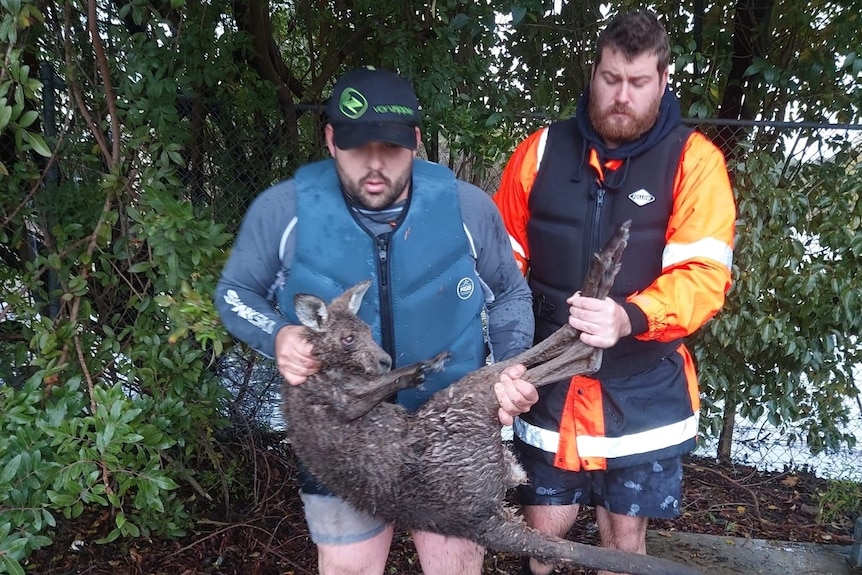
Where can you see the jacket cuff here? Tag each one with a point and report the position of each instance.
(637, 318)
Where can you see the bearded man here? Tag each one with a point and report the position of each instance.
(441, 270)
(615, 440)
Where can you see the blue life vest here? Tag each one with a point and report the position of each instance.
(425, 297)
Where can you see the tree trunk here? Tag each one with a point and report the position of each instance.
(725, 439)
(751, 27)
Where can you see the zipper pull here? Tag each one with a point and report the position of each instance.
(383, 259)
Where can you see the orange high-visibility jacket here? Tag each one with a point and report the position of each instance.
(675, 274)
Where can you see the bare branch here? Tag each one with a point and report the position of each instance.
(105, 72)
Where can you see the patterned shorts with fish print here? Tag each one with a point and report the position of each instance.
(647, 490)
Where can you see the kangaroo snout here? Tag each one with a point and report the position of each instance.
(385, 364)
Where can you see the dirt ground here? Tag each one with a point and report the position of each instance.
(261, 531)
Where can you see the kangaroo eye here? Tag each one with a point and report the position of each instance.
(347, 340)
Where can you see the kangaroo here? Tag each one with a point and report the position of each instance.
(443, 468)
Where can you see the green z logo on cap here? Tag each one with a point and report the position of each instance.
(352, 103)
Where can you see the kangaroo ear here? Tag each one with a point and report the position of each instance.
(311, 311)
(356, 293)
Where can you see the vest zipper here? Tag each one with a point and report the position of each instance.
(592, 245)
(386, 331)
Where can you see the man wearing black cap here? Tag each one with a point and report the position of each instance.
(439, 256)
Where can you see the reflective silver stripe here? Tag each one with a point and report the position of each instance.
(517, 247)
(473, 251)
(610, 447)
(635, 443)
(540, 150)
(284, 236)
(706, 248)
(544, 439)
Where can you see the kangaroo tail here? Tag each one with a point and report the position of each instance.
(513, 536)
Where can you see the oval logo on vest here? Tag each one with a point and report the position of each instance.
(465, 288)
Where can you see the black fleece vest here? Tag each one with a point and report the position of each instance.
(573, 215)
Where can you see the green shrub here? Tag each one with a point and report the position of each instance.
(840, 499)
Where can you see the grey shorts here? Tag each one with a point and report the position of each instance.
(649, 490)
(333, 521)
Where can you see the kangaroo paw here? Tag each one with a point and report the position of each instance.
(425, 367)
(438, 361)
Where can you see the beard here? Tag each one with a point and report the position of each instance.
(379, 201)
(619, 130)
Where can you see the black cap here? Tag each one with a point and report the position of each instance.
(371, 105)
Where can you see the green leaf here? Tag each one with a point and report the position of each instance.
(131, 530)
(164, 483)
(61, 499)
(176, 158)
(518, 13)
(48, 518)
(110, 537)
(10, 565)
(5, 115)
(27, 118)
(10, 469)
(103, 438)
(140, 267)
(37, 142)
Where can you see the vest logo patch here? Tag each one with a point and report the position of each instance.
(642, 197)
(465, 288)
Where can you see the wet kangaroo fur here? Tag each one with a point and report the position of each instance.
(443, 468)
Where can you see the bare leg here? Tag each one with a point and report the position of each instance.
(621, 532)
(553, 519)
(441, 555)
(364, 558)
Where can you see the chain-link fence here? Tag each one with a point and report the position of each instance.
(799, 153)
(254, 380)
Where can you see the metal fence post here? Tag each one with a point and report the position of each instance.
(855, 558)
